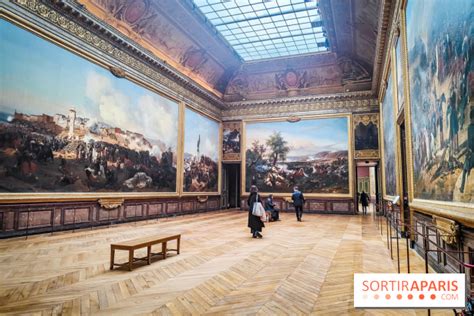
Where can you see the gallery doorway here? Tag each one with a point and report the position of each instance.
(367, 181)
(231, 185)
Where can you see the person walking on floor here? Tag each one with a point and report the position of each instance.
(364, 200)
(298, 202)
(254, 222)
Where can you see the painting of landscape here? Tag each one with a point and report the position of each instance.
(312, 154)
(440, 40)
(68, 125)
(389, 141)
(201, 153)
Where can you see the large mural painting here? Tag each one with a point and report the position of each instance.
(68, 125)
(311, 153)
(440, 38)
(389, 141)
(399, 71)
(201, 153)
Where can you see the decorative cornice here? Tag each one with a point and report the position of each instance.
(72, 18)
(385, 15)
(302, 99)
(351, 102)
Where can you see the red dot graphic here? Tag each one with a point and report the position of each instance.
(433, 296)
(376, 296)
(410, 296)
(387, 296)
(399, 296)
(422, 296)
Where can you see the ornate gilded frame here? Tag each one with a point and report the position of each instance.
(366, 118)
(461, 212)
(224, 160)
(181, 157)
(306, 117)
(139, 78)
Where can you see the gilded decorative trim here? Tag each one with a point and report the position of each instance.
(448, 229)
(325, 104)
(111, 203)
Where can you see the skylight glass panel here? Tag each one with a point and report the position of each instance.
(259, 29)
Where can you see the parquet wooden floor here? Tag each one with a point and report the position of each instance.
(296, 269)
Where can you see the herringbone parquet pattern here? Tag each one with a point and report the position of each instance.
(296, 269)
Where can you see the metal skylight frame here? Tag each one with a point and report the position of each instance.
(262, 29)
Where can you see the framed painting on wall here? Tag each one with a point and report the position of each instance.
(441, 76)
(313, 153)
(201, 154)
(231, 141)
(399, 74)
(366, 135)
(389, 141)
(69, 128)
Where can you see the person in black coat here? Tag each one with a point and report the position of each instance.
(254, 223)
(364, 200)
(298, 202)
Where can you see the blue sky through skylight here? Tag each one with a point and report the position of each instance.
(259, 29)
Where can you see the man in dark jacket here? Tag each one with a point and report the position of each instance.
(298, 202)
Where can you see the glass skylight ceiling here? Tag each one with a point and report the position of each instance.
(259, 29)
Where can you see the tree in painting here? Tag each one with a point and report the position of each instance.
(312, 154)
(67, 125)
(440, 38)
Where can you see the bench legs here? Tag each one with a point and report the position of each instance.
(178, 244)
(163, 249)
(112, 258)
(148, 255)
(130, 259)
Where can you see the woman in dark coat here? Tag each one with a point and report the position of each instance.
(364, 200)
(255, 223)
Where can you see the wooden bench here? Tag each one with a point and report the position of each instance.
(148, 242)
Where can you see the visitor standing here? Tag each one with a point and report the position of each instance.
(254, 222)
(364, 200)
(298, 202)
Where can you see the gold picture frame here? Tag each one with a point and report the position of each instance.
(181, 157)
(458, 211)
(10, 198)
(350, 149)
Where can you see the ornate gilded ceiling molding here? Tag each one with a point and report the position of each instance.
(385, 15)
(341, 103)
(72, 18)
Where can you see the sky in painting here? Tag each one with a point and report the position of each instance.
(306, 137)
(38, 77)
(199, 126)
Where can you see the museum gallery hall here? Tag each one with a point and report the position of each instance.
(236, 157)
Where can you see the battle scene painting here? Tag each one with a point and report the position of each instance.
(399, 70)
(231, 141)
(312, 154)
(389, 141)
(366, 135)
(201, 153)
(68, 125)
(440, 40)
